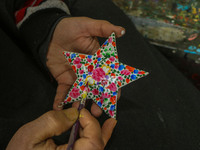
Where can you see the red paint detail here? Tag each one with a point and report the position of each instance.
(113, 100)
(119, 83)
(127, 80)
(95, 61)
(108, 61)
(74, 68)
(75, 84)
(69, 99)
(82, 87)
(129, 68)
(141, 72)
(113, 75)
(90, 68)
(114, 44)
(70, 60)
(99, 52)
(82, 56)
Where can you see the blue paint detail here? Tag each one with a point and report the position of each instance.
(99, 103)
(136, 71)
(191, 52)
(99, 59)
(114, 93)
(90, 56)
(112, 66)
(112, 107)
(121, 67)
(182, 7)
(198, 50)
(73, 55)
(81, 83)
(84, 76)
(192, 47)
(133, 77)
(105, 42)
(101, 89)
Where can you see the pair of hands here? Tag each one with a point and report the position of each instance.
(78, 34)
(36, 135)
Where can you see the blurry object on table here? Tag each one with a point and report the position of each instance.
(173, 24)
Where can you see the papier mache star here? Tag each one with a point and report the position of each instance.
(104, 75)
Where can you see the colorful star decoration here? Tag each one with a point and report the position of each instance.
(104, 75)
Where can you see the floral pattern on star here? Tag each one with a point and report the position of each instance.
(104, 74)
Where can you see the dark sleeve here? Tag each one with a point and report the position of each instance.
(36, 21)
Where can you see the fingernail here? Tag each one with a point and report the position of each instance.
(113, 123)
(123, 32)
(60, 105)
(71, 114)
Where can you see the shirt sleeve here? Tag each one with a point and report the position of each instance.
(36, 21)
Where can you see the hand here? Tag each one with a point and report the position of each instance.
(37, 134)
(78, 34)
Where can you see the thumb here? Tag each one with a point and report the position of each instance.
(102, 28)
(52, 123)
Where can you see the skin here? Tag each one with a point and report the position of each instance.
(53, 123)
(77, 34)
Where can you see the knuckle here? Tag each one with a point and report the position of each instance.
(50, 145)
(97, 144)
(52, 119)
(105, 22)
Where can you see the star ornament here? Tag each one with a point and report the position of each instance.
(104, 75)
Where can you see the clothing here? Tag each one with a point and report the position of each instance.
(27, 90)
(160, 111)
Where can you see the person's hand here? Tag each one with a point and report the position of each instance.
(37, 134)
(78, 34)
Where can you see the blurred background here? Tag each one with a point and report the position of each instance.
(173, 27)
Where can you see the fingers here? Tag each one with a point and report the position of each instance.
(102, 28)
(52, 123)
(91, 138)
(96, 110)
(62, 147)
(76, 104)
(60, 96)
(107, 129)
(37, 134)
(89, 124)
(92, 134)
(119, 94)
(65, 81)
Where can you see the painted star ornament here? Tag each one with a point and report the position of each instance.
(104, 75)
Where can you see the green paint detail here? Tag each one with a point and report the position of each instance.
(107, 55)
(105, 99)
